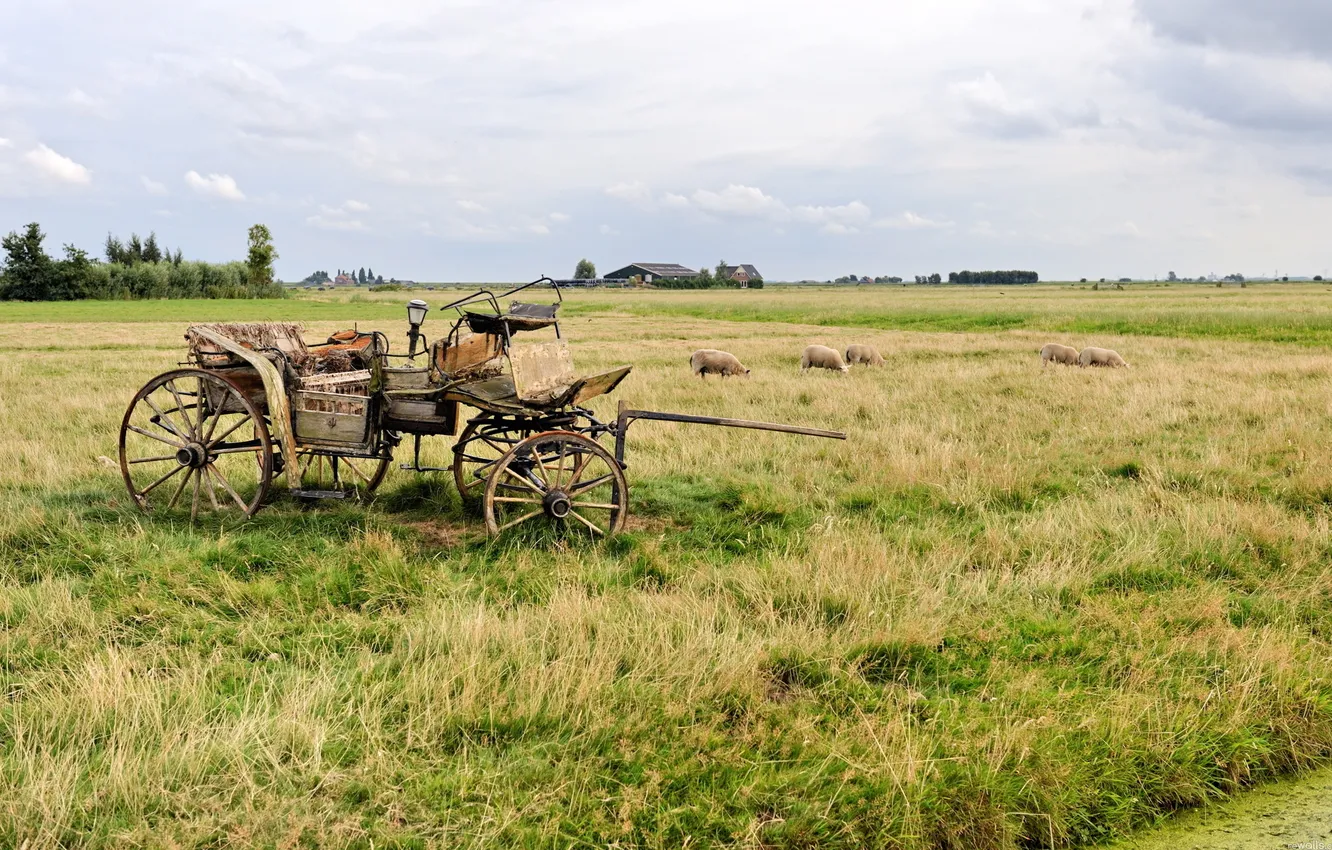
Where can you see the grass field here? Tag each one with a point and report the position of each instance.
(1015, 609)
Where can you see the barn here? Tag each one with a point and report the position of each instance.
(650, 271)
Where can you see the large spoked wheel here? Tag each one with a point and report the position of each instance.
(192, 437)
(328, 475)
(557, 476)
(478, 449)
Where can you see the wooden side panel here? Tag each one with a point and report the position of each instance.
(317, 427)
(595, 385)
(471, 354)
(541, 371)
(406, 379)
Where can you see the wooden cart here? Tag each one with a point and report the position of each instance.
(255, 402)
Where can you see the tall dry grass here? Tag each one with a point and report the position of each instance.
(1018, 607)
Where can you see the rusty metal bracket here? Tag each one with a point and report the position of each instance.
(275, 392)
(627, 415)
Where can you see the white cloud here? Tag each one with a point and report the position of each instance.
(152, 187)
(84, 102)
(847, 214)
(326, 221)
(539, 229)
(356, 206)
(836, 228)
(57, 167)
(5, 143)
(217, 185)
(559, 217)
(912, 221)
(738, 200)
(635, 192)
(471, 206)
(607, 230)
(673, 201)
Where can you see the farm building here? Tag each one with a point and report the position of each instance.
(741, 274)
(344, 280)
(650, 271)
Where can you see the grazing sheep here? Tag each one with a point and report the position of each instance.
(858, 353)
(822, 357)
(1053, 352)
(710, 360)
(1101, 357)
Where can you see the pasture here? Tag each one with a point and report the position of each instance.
(1015, 609)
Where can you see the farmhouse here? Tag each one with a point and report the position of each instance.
(650, 271)
(741, 274)
(344, 280)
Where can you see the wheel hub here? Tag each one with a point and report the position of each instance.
(557, 504)
(192, 455)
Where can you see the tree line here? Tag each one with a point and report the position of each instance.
(1007, 278)
(133, 269)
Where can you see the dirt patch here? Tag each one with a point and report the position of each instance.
(648, 524)
(442, 534)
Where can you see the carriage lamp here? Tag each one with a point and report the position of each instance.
(416, 314)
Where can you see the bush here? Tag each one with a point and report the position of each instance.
(28, 274)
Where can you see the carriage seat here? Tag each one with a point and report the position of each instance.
(544, 376)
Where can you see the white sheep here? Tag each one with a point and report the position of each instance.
(1101, 357)
(859, 353)
(822, 357)
(1053, 352)
(710, 360)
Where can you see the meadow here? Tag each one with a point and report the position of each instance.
(1015, 609)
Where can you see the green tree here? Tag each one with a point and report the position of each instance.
(361, 276)
(152, 253)
(261, 256)
(27, 272)
(721, 270)
(585, 270)
(134, 249)
(705, 274)
(369, 274)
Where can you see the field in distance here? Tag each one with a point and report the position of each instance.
(1015, 609)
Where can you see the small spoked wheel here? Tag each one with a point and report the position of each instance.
(557, 476)
(192, 437)
(478, 449)
(322, 474)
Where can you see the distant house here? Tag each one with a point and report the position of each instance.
(650, 271)
(741, 274)
(344, 280)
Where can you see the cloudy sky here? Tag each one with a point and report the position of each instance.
(499, 139)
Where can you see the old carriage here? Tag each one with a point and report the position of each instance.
(255, 402)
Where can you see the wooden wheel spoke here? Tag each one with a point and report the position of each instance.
(580, 466)
(605, 506)
(212, 493)
(245, 417)
(559, 473)
(545, 476)
(163, 421)
(151, 487)
(136, 429)
(517, 500)
(226, 485)
(528, 484)
(356, 470)
(194, 502)
(153, 459)
(181, 489)
(585, 521)
(591, 485)
(523, 518)
(180, 406)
